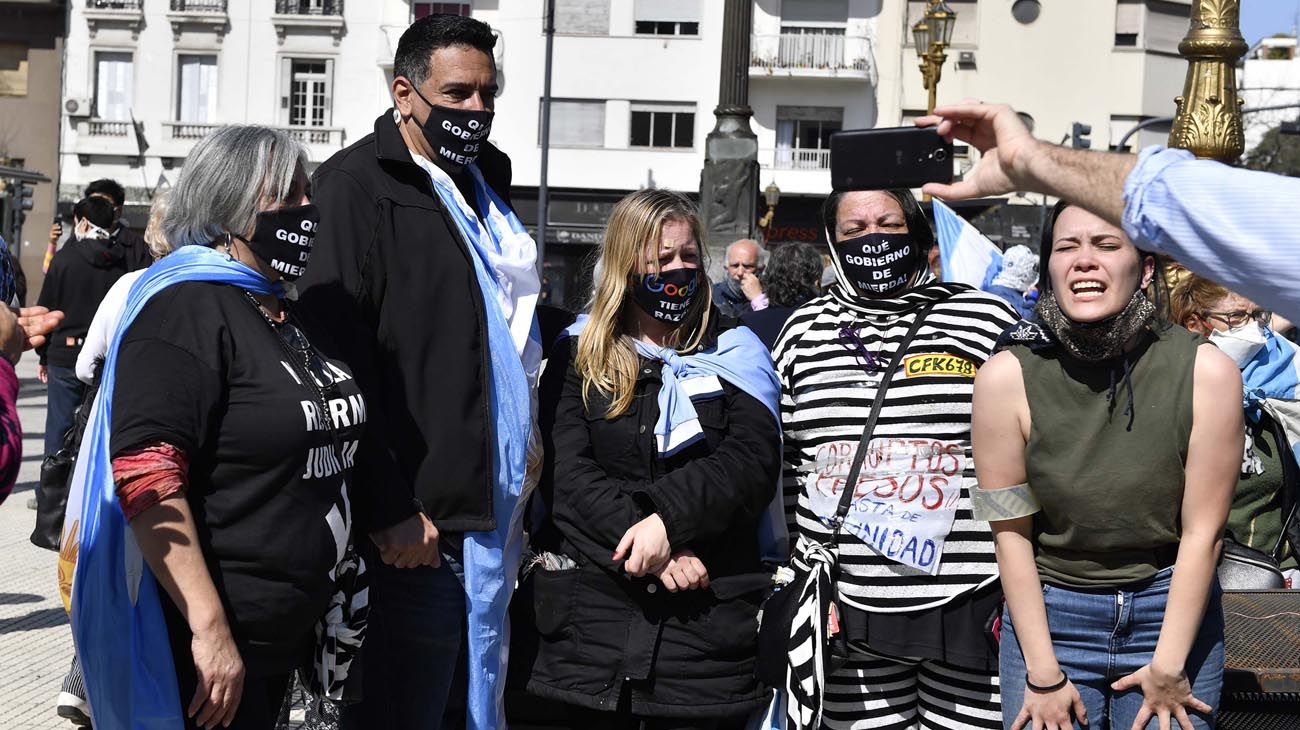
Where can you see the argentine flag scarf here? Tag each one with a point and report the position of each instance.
(117, 620)
(505, 261)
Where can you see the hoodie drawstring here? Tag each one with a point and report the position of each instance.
(1128, 385)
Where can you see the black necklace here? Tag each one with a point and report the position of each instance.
(300, 355)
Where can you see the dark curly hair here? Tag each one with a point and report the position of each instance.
(435, 31)
(793, 274)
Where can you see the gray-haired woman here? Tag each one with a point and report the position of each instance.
(233, 436)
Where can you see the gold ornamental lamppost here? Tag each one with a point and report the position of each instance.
(1208, 119)
(933, 33)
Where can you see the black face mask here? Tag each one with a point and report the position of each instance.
(283, 238)
(666, 295)
(878, 263)
(455, 134)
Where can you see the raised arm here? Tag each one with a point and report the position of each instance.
(999, 431)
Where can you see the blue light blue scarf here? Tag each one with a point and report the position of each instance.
(739, 358)
(117, 619)
(492, 559)
(1270, 382)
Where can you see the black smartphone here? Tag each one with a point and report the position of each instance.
(893, 157)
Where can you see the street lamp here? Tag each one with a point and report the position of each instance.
(772, 196)
(933, 34)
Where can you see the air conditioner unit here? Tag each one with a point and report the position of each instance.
(966, 59)
(77, 106)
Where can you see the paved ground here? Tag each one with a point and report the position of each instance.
(35, 646)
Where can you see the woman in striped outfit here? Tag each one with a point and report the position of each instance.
(917, 577)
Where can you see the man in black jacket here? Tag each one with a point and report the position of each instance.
(134, 250)
(390, 265)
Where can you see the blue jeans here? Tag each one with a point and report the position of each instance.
(413, 639)
(63, 393)
(1101, 635)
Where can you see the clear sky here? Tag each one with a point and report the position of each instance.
(1260, 18)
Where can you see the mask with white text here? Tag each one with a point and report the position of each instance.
(878, 263)
(667, 295)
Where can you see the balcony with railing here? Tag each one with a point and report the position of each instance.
(812, 53)
(207, 15)
(187, 130)
(309, 16)
(793, 158)
(106, 128)
(127, 14)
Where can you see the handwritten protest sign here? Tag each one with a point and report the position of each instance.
(905, 498)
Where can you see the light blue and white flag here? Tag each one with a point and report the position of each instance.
(967, 256)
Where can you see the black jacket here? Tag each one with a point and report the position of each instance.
(685, 654)
(390, 267)
(80, 275)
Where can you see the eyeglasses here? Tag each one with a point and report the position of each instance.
(1236, 319)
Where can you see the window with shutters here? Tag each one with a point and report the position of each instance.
(670, 126)
(1128, 22)
(196, 88)
(581, 17)
(113, 85)
(306, 92)
(13, 69)
(575, 123)
(667, 17)
(419, 9)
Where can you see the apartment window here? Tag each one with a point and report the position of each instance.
(420, 9)
(13, 69)
(803, 135)
(662, 125)
(667, 17)
(196, 89)
(113, 79)
(964, 33)
(309, 84)
(575, 123)
(1128, 22)
(582, 17)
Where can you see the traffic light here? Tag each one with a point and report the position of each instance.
(1079, 135)
(22, 203)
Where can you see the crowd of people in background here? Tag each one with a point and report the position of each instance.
(357, 452)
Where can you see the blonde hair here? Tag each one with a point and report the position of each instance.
(1193, 295)
(607, 359)
(153, 232)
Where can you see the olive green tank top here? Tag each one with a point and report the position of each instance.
(1110, 484)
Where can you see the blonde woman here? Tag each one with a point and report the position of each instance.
(663, 451)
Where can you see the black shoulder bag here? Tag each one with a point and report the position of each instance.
(806, 610)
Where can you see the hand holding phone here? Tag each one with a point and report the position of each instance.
(893, 157)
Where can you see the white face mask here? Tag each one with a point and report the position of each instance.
(89, 231)
(1240, 343)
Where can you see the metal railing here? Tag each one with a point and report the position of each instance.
(136, 5)
(308, 7)
(188, 130)
(792, 158)
(199, 6)
(107, 128)
(825, 51)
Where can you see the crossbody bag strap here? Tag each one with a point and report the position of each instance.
(855, 468)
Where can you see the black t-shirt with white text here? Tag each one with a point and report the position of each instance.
(201, 369)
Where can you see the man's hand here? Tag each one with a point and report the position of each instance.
(410, 543)
(1001, 138)
(43, 374)
(645, 545)
(56, 232)
(750, 285)
(684, 572)
(36, 324)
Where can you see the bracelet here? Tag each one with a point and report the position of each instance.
(1049, 688)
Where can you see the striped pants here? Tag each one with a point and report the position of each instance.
(889, 693)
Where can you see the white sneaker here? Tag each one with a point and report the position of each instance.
(74, 709)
